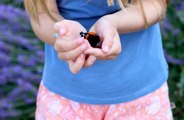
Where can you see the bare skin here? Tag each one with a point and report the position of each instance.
(72, 48)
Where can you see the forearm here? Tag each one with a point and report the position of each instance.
(44, 30)
(132, 20)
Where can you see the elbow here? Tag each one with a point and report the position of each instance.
(161, 8)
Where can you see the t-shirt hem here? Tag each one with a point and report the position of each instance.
(103, 101)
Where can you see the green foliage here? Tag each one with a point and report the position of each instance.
(173, 38)
(173, 41)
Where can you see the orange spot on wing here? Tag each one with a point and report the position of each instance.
(87, 35)
(92, 33)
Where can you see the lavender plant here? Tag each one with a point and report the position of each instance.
(173, 35)
(22, 57)
(21, 61)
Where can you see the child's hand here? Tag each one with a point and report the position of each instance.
(69, 45)
(111, 45)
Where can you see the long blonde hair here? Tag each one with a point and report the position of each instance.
(32, 7)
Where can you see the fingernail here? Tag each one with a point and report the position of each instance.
(105, 48)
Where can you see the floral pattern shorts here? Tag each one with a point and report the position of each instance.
(153, 106)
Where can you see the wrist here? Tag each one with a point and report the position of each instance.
(111, 19)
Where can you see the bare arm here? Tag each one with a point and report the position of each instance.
(68, 45)
(124, 22)
(133, 20)
(44, 30)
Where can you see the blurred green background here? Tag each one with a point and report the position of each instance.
(22, 58)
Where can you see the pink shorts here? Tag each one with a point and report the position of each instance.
(154, 106)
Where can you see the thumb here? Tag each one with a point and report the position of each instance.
(61, 27)
(108, 37)
(76, 66)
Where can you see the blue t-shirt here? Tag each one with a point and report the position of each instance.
(138, 70)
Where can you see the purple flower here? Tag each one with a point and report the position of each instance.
(5, 103)
(3, 47)
(20, 58)
(4, 59)
(180, 6)
(12, 14)
(167, 25)
(173, 60)
(26, 60)
(19, 1)
(30, 100)
(3, 80)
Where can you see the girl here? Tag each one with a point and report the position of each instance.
(124, 80)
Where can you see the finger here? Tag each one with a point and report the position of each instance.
(107, 36)
(76, 66)
(87, 42)
(68, 28)
(70, 63)
(95, 52)
(116, 47)
(108, 58)
(61, 26)
(63, 45)
(60, 31)
(90, 61)
(70, 55)
(114, 51)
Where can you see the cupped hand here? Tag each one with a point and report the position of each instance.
(69, 45)
(111, 45)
